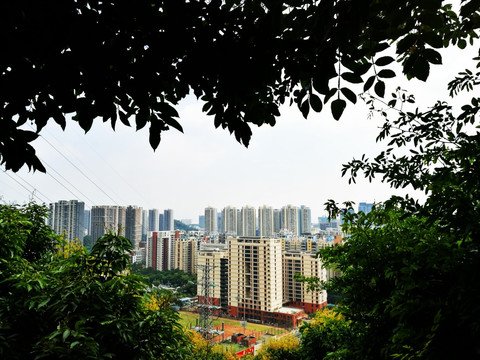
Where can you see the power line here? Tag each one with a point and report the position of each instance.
(51, 168)
(106, 162)
(30, 191)
(85, 175)
(53, 177)
(79, 170)
(78, 160)
(111, 167)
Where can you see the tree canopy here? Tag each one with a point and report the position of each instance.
(59, 302)
(409, 268)
(134, 61)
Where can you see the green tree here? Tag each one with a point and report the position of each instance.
(65, 303)
(409, 268)
(186, 283)
(87, 242)
(134, 61)
(284, 348)
(322, 337)
(178, 225)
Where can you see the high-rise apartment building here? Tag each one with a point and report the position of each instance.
(229, 218)
(86, 221)
(265, 221)
(211, 220)
(153, 220)
(106, 219)
(289, 219)
(186, 255)
(305, 220)
(277, 220)
(144, 225)
(160, 253)
(248, 221)
(293, 243)
(168, 221)
(215, 262)
(255, 277)
(365, 207)
(295, 292)
(324, 223)
(67, 217)
(161, 222)
(239, 224)
(219, 222)
(133, 225)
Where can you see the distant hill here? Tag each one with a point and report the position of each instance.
(178, 225)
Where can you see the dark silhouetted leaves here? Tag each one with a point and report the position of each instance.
(405, 44)
(154, 132)
(420, 69)
(428, 247)
(433, 39)
(305, 108)
(380, 88)
(384, 60)
(368, 84)
(338, 106)
(352, 77)
(349, 94)
(432, 56)
(316, 103)
(386, 73)
(243, 59)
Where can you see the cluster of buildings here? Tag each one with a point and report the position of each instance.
(70, 218)
(246, 259)
(247, 277)
(267, 221)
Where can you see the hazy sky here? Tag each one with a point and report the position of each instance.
(296, 162)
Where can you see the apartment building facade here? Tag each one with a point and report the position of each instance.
(160, 249)
(248, 223)
(67, 218)
(295, 292)
(186, 254)
(261, 279)
(212, 268)
(211, 221)
(133, 225)
(104, 219)
(229, 220)
(255, 277)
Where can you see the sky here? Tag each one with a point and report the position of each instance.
(295, 162)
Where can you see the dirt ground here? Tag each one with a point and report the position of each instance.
(229, 329)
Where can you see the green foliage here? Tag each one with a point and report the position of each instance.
(135, 61)
(24, 233)
(70, 304)
(284, 348)
(409, 269)
(87, 242)
(178, 225)
(187, 283)
(322, 337)
(204, 349)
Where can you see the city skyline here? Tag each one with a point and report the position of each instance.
(295, 162)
